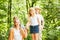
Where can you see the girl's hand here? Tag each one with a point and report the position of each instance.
(41, 28)
(27, 25)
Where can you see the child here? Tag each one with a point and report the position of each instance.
(33, 22)
(16, 32)
(37, 10)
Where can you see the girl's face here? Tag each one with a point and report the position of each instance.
(32, 11)
(37, 10)
(16, 22)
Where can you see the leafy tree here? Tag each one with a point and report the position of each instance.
(50, 9)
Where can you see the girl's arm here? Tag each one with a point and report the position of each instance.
(39, 21)
(42, 22)
(28, 23)
(11, 35)
(23, 33)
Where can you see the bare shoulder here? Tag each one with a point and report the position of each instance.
(11, 30)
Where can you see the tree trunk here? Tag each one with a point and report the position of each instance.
(9, 12)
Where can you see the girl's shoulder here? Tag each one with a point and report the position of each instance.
(12, 29)
(39, 15)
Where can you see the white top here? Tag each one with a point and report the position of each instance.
(17, 34)
(34, 20)
(40, 17)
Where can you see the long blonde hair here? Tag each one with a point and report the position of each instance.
(31, 10)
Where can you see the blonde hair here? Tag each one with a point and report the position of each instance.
(31, 10)
(15, 18)
(37, 7)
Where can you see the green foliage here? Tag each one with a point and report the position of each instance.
(50, 9)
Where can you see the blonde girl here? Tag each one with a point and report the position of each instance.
(16, 32)
(38, 13)
(33, 22)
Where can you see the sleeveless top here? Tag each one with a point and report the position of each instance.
(34, 20)
(17, 34)
(40, 17)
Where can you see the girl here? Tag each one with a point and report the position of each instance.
(16, 32)
(33, 22)
(37, 11)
